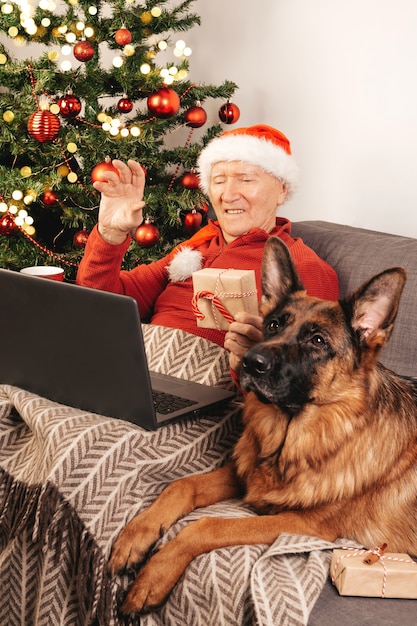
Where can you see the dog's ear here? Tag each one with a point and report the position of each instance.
(279, 275)
(375, 306)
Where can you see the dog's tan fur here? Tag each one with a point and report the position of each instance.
(329, 446)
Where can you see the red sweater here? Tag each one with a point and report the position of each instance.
(169, 303)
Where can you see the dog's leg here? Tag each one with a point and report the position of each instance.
(179, 498)
(155, 581)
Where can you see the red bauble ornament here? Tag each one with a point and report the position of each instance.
(195, 116)
(164, 103)
(69, 105)
(49, 197)
(190, 180)
(100, 171)
(44, 126)
(192, 221)
(7, 225)
(125, 105)
(123, 36)
(229, 113)
(83, 51)
(204, 208)
(80, 238)
(147, 235)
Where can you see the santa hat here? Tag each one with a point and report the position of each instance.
(259, 145)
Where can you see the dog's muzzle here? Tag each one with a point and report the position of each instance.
(275, 376)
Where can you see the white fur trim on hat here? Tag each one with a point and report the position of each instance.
(248, 149)
(185, 262)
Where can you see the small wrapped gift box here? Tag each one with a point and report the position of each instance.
(220, 293)
(390, 576)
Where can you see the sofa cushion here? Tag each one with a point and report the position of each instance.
(358, 254)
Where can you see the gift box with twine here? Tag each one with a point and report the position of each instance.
(220, 293)
(374, 573)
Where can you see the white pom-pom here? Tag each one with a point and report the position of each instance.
(184, 263)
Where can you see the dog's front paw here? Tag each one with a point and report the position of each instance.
(134, 542)
(156, 580)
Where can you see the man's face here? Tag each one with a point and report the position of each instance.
(244, 196)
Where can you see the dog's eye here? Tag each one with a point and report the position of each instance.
(318, 341)
(273, 326)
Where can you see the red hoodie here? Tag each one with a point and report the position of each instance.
(169, 303)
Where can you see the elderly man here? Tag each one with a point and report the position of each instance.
(247, 173)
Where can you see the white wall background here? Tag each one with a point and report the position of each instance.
(339, 78)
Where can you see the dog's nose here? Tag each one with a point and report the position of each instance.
(255, 363)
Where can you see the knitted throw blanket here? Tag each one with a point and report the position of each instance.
(70, 480)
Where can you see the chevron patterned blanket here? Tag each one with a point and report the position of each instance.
(70, 480)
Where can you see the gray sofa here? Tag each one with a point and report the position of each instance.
(358, 254)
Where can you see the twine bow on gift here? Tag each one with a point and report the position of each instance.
(371, 556)
(216, 302)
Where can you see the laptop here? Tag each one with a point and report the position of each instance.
(84, 348)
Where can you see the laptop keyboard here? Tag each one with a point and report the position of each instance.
(167, 403)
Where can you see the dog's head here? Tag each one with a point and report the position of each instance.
(313, 348)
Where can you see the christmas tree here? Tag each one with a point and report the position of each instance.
(110, 82)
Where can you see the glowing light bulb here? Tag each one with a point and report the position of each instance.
(8, 116)
(135, 131)
(118, 61)
(7, 9)
(17, 194)
(129, 50)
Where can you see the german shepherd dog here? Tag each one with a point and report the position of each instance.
(329, 446)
